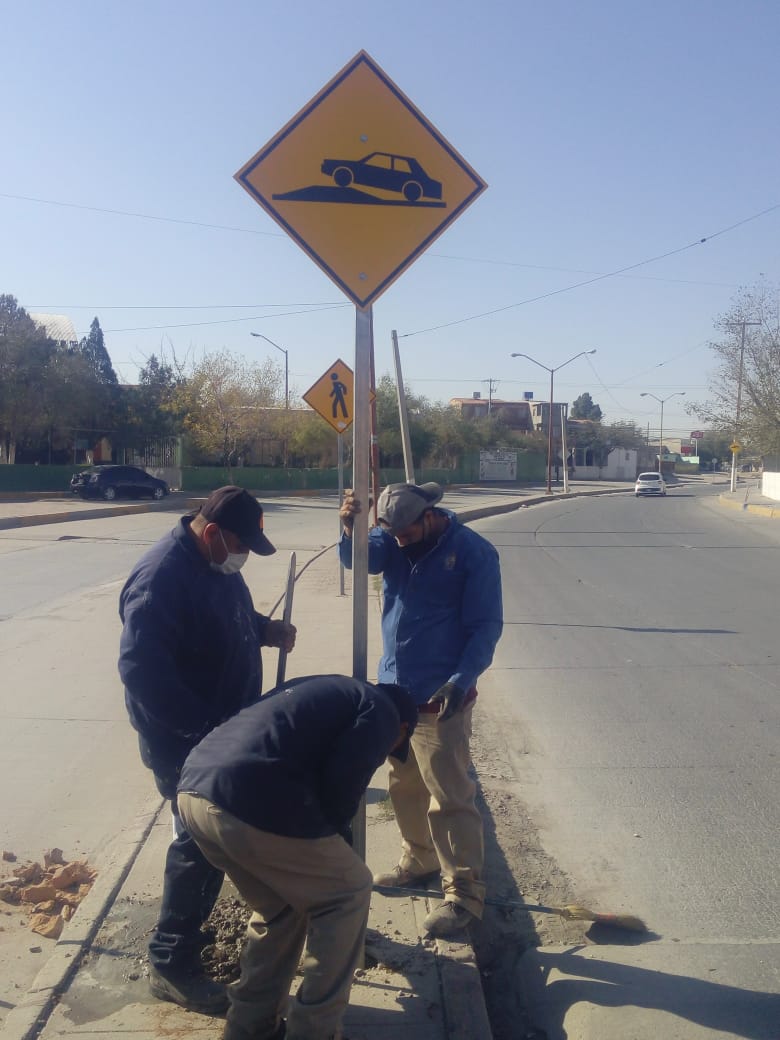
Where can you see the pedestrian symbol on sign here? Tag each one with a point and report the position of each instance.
(337, 393)
(333, 395)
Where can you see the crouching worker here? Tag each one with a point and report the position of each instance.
(269, 796)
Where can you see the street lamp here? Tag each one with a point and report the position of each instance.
(259, 335)
(662, 402)
(552, 372)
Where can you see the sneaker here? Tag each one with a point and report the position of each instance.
(400, 877)
(447, 919)
(196, 992)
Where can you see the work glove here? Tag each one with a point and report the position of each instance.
(451, 696)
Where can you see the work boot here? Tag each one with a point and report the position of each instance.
(447, 919)
(400, 877)
(192, 990)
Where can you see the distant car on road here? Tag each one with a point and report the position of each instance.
(110, 482)
(400, 173)
(649, 484)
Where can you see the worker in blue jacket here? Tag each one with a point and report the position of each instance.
(441, 621)
(189, 659)
(269, 796)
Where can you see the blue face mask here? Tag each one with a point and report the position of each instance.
(233, 563)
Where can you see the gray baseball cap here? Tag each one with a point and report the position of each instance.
(400, 505)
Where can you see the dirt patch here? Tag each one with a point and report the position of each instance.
(517, 870)
(225, 931)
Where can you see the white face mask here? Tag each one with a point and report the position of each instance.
(233, 563)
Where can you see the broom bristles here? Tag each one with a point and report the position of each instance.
(573, 912)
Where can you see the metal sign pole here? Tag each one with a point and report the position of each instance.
(341, 500)
(360, 481)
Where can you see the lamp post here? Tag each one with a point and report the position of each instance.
(662, 401)
(259, 335)
(552, 372)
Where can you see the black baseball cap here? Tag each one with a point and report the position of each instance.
(235, 510)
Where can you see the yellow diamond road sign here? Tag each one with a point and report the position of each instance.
(361, 180)
(736, 447)
(333, 395)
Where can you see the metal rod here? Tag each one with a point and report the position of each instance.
(403, 413)
(281, 667)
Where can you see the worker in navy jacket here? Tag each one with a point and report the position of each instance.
(189, 659)
(269, 796)
(441, 620)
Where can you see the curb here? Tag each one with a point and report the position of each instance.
(25, 1021)
(773, 512)
(463, 998)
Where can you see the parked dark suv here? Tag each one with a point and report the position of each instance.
(112, 482)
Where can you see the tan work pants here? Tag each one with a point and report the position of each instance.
(433, 797)
(300, 890)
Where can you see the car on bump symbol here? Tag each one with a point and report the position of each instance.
(399, 173)
(110, 482)
(649, 484)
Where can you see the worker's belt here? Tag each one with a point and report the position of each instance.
(433, 707)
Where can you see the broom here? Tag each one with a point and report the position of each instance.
(572, 912)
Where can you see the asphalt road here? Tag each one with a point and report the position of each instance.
(640, 670)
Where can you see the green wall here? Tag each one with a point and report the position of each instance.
(197, 479)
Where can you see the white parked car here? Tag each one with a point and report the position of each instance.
(649, 484)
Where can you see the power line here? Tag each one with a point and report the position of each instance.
(591, 281)
(172, 306)
(227, 321)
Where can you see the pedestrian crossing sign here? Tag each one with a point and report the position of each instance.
(333, 395)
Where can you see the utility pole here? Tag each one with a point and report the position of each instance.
(490, 383)
(742, 325)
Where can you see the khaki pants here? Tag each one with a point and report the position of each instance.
(433, 797)
(300, 890)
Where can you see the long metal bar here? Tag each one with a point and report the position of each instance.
(281, 667)
(403, 413)
(373, 427)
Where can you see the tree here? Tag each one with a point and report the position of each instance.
(584, 408)
(223, 402)
(747, 381)
(25, 356)
(93, 349)
(151, 408)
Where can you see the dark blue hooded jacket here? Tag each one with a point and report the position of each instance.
(298, 761)
(190, 649)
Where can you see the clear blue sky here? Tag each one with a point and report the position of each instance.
(609, 132)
